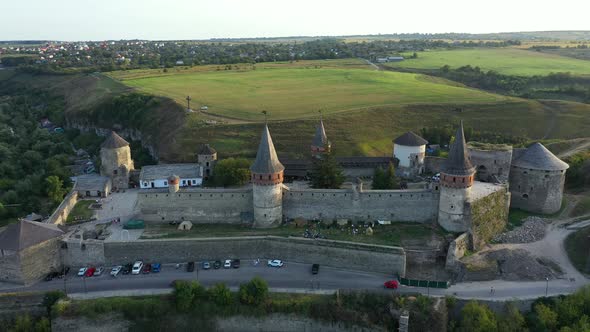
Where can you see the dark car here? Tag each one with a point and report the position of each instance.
(127, 268)
(236, 263)
(190, 267)
(64, 272)
(51, 275)
(147, 269)
(315, 268)
(217, 265)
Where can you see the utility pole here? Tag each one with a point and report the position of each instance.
(546, 286)
(188, 102)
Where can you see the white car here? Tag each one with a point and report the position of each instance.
(137, 267)
(98, 271)
(115, 270)
(82, 271)
(227, 264)
(275, 263)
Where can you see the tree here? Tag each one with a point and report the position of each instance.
(512, 321)
(326, 173)
(254, 292)
(546, 316)
(183, 295)
(378, 178)
(55, 189)
(477, 317)
(231, 172)
(22, 324)
(221, 295)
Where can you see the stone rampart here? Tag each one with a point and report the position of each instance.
(489, 215)
(196, 205)
(371, 205)
(339, 254)
(433, 164)
(457, 249)
(60, 214)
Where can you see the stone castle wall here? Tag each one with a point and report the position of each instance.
(339, 254)
(535, 190)
(371, 205)
(433, 164)
(196, 205)
(62, 212)
(39, 260)
(10, 271)
(488, 163)
(489, 216)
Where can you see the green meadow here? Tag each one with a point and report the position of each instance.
(509, 61)
(292, 93)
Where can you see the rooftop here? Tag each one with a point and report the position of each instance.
(25, 234)
(538, 157)
(206, 149)
(320, 139)
(482, 189)
(266, 161)
(410, 139)
(90, 182)
(458, 162)
(114, 141)
(163, 171)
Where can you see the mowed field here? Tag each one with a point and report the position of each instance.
(510, 61)
(292, 93)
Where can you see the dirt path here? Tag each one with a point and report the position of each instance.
(584, 144)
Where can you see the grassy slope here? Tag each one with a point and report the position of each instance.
(297, 93)
(510, 61)
(578, 247)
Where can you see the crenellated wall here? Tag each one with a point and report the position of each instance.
(196, 205)
(329, 204)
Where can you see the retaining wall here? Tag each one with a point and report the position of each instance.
(60, 214)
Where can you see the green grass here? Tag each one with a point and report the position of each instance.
(516, 216)
(509, 61)
(577, 246)
(393, 235)
(80, 211)
(581, 208)
(294, 93)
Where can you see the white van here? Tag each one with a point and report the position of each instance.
(137, 267)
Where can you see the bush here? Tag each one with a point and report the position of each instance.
(183, 296)
(51, 298)
(477, 317)
(254, 292)
(221, 295)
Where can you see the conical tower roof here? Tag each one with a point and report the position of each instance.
(538, 157)
(320, 139)
(206, 149)
(458, 162)
(266, 161)
(25, 234)
(410, 139)
(114, 141)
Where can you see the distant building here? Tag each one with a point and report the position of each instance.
(93, 185)
(395, 58)
(156, 176)
(409, 149)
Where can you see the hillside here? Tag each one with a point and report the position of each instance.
(509, 61)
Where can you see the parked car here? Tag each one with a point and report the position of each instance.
(137, 267)
(206, 266)
(90, 272)
(190, 267)
(315, 268)
(392, 284)
(63, 272)
(227, 264)
(127, 268)
(275, 263)
(236, 263)
(217, 264)
(98, 271)
(51, 275)
(147, 269)
(156, 267)
(82, 271)
(116, 270)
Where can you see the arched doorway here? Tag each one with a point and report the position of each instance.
(482, 174)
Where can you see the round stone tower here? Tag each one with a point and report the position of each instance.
(116, 162)
(410, 150)
(456, 179)
(267, 184)
(207, 158)
(173, 184)
(536, 180)
(320, 144)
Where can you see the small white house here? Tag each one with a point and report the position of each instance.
(156, 176)
(410, 150)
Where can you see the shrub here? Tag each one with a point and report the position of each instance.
(51, 298)
(221, 295)
(183, 295)
(254, 292)
(477, 317)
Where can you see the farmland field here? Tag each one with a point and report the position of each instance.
(291, 93)
(509, 61)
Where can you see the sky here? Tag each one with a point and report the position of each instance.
(72, 20)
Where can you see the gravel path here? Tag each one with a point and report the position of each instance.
(532, 230)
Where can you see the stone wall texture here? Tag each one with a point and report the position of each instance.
(62, 212)
(339, 254)
(536, 190)
(371, 205)
(433, 164)
(453, 215)
(489, 216)
(37, 261)
(489, 163)
(457, 249)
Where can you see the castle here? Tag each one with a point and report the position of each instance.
(478, 183)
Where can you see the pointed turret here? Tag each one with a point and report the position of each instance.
(114, 141)
(320, 143)
(458, 162)
(267, 163)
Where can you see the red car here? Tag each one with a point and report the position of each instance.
(147, 269)
(90, 272)
(392, 284)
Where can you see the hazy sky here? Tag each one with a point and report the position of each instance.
(201, 19)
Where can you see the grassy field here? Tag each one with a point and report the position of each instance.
(510, 61)
(81, 211)
(577, 246)
(397, 234)
(293, 93)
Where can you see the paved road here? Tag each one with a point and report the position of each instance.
(295, 277)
